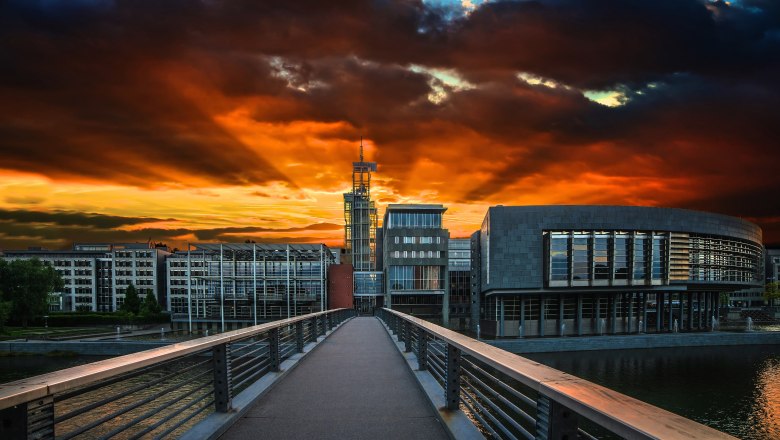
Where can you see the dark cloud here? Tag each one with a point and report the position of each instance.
(127, 92)
(68, 218)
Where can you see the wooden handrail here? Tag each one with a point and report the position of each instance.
(620, 414)
(32, 388)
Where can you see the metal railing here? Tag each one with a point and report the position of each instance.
(157, 393)
(508, 396)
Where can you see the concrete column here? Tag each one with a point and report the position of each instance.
(560, 314)
(501, 317)
(689, 318)
(579, 314)
(542, 304)
(597, 315)
(613, 312)
(659, 312)
(682, 321)
(522, 317)
(445, 303)
(644, 311)
(630, 312)
(671, 312)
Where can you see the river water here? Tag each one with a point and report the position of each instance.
(733, 389)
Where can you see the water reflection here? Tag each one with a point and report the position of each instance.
(732, 389)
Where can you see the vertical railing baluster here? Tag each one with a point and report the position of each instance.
(452, 381)
(422, 349)
(407, 336)
(222, 393)
(273, 349)
(299, 342)
(553, 420)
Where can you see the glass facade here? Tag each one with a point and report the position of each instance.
(414, 220)
(559, 257)
(416, 277)
(600, 258)
(369, 283)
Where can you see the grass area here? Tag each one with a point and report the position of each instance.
(51, 332)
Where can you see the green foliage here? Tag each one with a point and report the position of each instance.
(150, 305)
(28, 285)
(772, 292)
(77, 319)
(5, 312)
(132, 302)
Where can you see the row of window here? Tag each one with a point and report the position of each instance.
(605, 256)
(414, 220)
(416, 277)
(417, 240)
(417, 254)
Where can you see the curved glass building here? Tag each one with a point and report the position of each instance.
(578, 270)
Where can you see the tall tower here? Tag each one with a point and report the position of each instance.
(360, 217)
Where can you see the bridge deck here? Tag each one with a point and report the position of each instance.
(355, 385)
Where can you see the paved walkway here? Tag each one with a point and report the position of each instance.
(356, 385)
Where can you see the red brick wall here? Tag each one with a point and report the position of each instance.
(340, 286)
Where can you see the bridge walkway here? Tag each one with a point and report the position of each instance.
(355, 385)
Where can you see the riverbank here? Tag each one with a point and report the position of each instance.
(627, 342)
(85, 348)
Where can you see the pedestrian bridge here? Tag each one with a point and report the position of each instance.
(328, 375)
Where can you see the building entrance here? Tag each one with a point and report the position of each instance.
(365, 305)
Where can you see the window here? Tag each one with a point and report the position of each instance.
(430, 254)
(406, 255)
(396, 254)
(438, 240)
(416, 277)
(601, 257)
(414, 254)
(408, 240)
(397, 239)
(640, 256)
(621, 257)
(414, 220)
(559, 257)
(579, 252)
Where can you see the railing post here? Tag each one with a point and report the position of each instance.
(222, 397)
(322, 326)
(328, 323)
(452, 381)
(553, 420)
(299, 336)
(273, 347)
(407, 336)
(28, 420)
(422, 349)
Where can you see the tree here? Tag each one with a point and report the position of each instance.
(132, 302)
(28, 285)
(772, 292)
(150, 305)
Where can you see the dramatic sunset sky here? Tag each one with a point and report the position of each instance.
(209, 120)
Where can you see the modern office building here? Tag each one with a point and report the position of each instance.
(97, 274)
(360, 236)
(571, 270)
(232, 285)
(415, 251)
(459, 273)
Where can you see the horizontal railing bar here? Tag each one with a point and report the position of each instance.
(130, 407)
(527, 400)
(127, 392)
(495, 407)
(259, 365)
(497, 395)
(26, 390)
(585, 434)
(618, 413)
(261, 371)
(184, 420)
(476, 402)
(247, 355)
(481, 419)
(154, 410)
(168, 418)
(241, 346)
